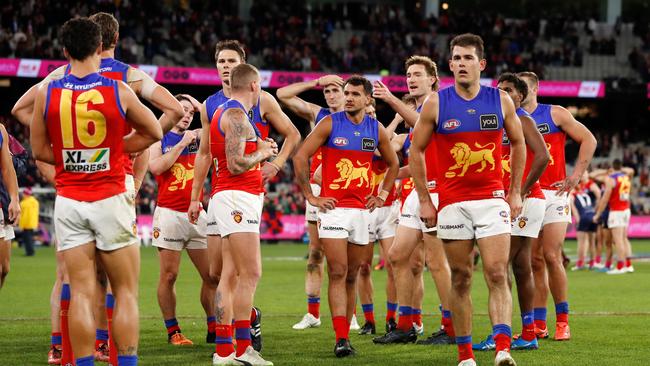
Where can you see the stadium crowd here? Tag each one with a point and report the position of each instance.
(294, 36)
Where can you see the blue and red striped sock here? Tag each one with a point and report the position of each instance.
(502, 334)
(242, 335)
(562, 312)
(464, 344)
(369, 312)
(172, 326)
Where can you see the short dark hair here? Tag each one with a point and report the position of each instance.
(468, 40)
(429, 66)
(230, 44)
(518, 82)
(529, 74)
(357, 80)
(409, 99)
(80, 37)
(242, 75)
(109, 27)
(372, 102)
(182, 97)
(617, 164)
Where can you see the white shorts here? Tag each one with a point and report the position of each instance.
(211, 226)
(129, 183)
(558, 208)
(352, 224)
(110, 223)
(311, 212)
(236, 212)
(383, 222)
(529, 222)
(410, 216)
(618, 218)
(6, 231)
(172, 230)
(474, 219)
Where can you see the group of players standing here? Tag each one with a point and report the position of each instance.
(479, 165)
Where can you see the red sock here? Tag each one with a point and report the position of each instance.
(608, 264)
(243, 335)
(628, 262)
(67, 357)
(370, 316)
(528, 332)
(448, 327)
(313, 306)
(405, 323)
(562, 318)
(224, 346)
(253, 315)
(112, 348)
(465, 352)
(212, 324)
(502, 342)
(619, 265)
(390, 314)
(417, 319)
(580, 263)
(540, 324)
(341, 327)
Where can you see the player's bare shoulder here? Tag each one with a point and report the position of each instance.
(237, 123)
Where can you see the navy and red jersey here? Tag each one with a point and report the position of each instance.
(536, 189)
(347, 160)
(379, 169)
(175, 184)
(86, 126)
(584, 200)
(468, 140)
(620, 198)
(318, 156)
(222, 180)
(555, 139)
(215, 100)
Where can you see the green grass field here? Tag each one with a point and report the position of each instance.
(610, 317)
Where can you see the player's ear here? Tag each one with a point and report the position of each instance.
(482, 63)
(98, 51)
(66, 54)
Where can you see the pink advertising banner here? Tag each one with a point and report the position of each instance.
(639, 228)
(276, 79)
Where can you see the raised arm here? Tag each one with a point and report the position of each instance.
(381, 92)
(422, 132)
(160, 162)
(237, 130)
(536, 143)
(288, 96)
(282, 124)
(9, 178)
(581, 135)
(146, 127)
(144, 86)
(24, 107)
(513, 128)
(38, 137)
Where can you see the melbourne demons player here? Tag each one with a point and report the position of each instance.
(10, 185)
(239, 150)
(79, 125)
(555, 123)
(617, 195)
(407, 255)
(333, 93)
(527, 225)
(468, 120)
(347, 141)
(172, 162)
(136, 168)
(584, 199)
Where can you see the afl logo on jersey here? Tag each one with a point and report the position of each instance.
(451, 124)
(340, 141)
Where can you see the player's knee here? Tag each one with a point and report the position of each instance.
(169, 277)
(4, 271)
(521, 270)
(496, 276)
(553, 257)
(364, 270)
(337, 272)
(416, 266)
(461, 279)
(315, 256)
(538, 263)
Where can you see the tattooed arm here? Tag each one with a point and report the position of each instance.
(237, 130)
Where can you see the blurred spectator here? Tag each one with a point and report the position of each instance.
(28, 222)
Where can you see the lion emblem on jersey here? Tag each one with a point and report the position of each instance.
(465, 157)
(182, 175)
(550, 161)
(349, 172)
(505, 163)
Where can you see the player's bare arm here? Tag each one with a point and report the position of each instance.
(282, 124)
(146, 128)
(512, 125)
(9, 178)
(24, 107)
(392, 126)
(301, 163)
(159, 162)
(144, 86)
(390, 157)
(201, 166)
(38, 139)
(288, 96)
(536, 143)
(237, 130)
(380, 91)
(583, 137)
(422, 132)
(602, 203)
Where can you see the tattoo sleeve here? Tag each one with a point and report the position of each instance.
(236, 134)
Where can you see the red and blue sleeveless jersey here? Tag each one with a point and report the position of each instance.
(620, 198)
(584, 200)
(86, 126)
(535, 190)
(555, 139)
(379, 169)
(468, 139)
(318, 156)
(347, 160)
(222, 180)
(175, 185)
(213, 102)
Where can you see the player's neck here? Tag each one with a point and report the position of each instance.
(530, 106)
(84, 68)
(357, 117)
(335, 110)
(419, 100)
(177, 130)
(227, 91)
(468, 91)
(108, 53)
(245, 100)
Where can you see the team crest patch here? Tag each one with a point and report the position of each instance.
(318, 223)
(451, 124)
(566, 210)
(156, 232)
(134, 228)
(489, 122)
(504, 214)
(522, 222)
(237, 216)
